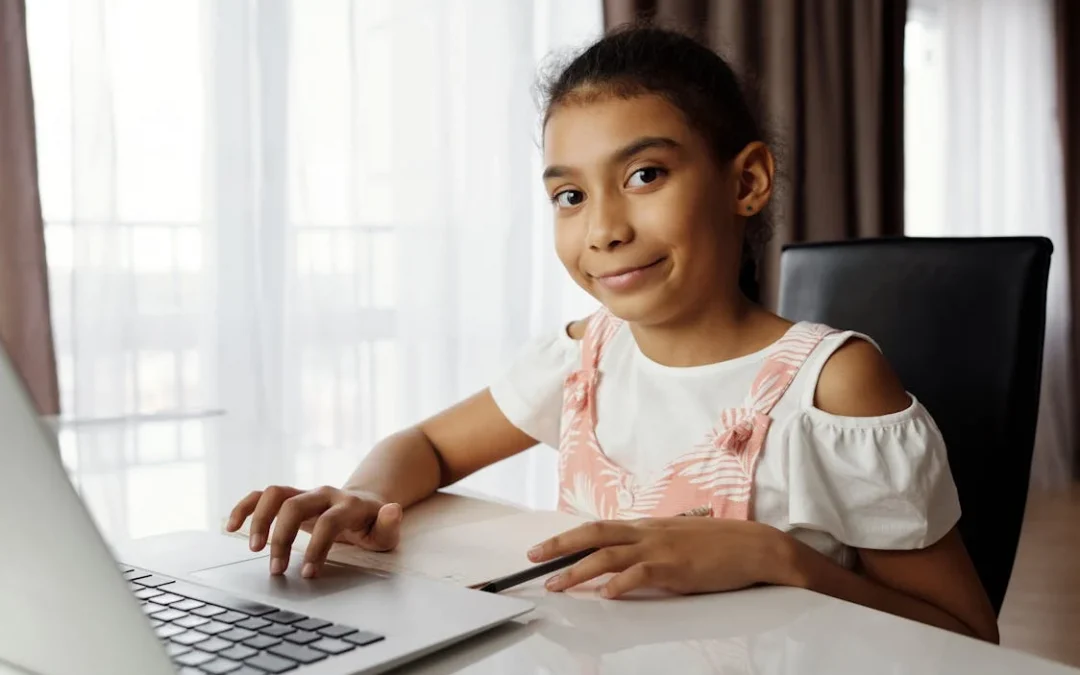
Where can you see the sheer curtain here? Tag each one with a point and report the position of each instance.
(321, 217)
(984, 158)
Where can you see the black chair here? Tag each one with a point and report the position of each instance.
(962, 322)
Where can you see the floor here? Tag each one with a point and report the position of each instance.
(1041, 614)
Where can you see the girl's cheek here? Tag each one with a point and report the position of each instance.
(568, 245)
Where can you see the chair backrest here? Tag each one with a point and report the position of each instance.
(962, 322)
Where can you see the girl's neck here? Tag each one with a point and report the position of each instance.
(726, 330)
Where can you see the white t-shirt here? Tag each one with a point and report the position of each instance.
(832, 482)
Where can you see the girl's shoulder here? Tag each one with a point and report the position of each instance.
(856, 380)
(576, 329)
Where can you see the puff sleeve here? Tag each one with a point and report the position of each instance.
(529, 391)
(871, 482)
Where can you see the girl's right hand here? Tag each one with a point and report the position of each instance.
(329, 514)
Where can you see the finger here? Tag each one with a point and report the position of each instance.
(604, 561)
(353, 514)
(265, 512)
(242, 510)
(591, 535)
(641, 575)
(293, 512)
(385, 533)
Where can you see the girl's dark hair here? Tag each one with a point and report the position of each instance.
(644, 59)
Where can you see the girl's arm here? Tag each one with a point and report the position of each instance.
(410, 465)
(937, 585)
(401, 470)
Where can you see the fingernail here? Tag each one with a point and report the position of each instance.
(554, 581)
(277, 566)
(309, 571)
(256, 542)
(605, 592)
(534, 552)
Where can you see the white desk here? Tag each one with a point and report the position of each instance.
(762, 631)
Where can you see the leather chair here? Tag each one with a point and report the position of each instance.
(962, 322)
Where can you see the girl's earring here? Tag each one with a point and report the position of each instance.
(749, 208)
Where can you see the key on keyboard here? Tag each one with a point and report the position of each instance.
(151, 581)
(297, 653)
(238, 653)
(302, 637)
(332, 646)
(187, 605)
(174, 650)
(189, 638)
(311, 624)
(262, 641)
(271, 664)
(167, 599)
(168, 615)
(363, 638)
(336, 631)
(214, 645)
(253, 624)
(220, 667)
(277, 630)
(213, 628)
(168, 630)
(191, 621)
(285, 617)
(230, 617)
(237, 635)
(193, 658)
(209, 610)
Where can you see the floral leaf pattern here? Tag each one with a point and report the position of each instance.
(718, 472)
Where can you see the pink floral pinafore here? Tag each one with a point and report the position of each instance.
(718, 473)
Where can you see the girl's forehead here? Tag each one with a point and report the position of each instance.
(582, 131)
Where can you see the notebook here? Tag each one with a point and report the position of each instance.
(455, 538)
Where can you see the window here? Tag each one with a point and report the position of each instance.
(323, 218)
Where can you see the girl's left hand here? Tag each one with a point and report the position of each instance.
(680, 555)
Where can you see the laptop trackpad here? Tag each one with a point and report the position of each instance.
(253, 576)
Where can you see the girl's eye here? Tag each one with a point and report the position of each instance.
(569, 198)
(644, 176)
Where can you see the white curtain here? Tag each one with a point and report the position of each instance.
(984, 158)
(322, 217)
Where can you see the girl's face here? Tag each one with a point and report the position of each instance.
(645, 219)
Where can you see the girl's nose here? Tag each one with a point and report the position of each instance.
(609, 227)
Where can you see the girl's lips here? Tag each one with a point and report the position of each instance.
(627, 278)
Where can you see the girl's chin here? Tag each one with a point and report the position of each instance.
(645, 307)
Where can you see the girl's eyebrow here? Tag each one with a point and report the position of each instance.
(620, 155)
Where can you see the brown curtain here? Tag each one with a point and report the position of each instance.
(830, 78)
(1067, 22)
(25, 327)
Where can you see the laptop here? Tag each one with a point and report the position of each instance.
(194, 603)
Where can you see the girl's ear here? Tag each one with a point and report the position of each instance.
(754, 168)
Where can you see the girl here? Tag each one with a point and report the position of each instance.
(679, 392)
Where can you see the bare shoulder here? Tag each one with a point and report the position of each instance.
(857, 381)
(576, 329)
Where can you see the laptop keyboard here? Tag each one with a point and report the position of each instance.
(208, 631)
